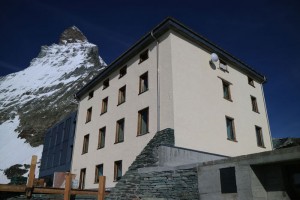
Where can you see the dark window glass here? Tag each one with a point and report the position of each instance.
(228, 180)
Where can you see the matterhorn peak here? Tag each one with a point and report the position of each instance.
(72, 35)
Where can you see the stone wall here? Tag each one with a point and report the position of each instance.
(169, 184)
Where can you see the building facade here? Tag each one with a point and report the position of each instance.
(168, 80)
(58, 148)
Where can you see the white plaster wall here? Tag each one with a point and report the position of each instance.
(200, 109)
(132, 145)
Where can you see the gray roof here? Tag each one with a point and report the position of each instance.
(170, 24)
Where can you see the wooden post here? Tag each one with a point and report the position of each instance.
(101, 190)
(68, 185)
(29, 186)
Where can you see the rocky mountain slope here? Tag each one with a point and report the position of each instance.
(35, 98)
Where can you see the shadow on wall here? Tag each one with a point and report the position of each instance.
(283, 178)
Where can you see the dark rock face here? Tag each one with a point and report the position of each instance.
(72, 35)
(178, 184)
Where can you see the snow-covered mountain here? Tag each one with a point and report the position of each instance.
(35, 98)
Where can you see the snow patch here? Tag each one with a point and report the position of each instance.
(14, 150)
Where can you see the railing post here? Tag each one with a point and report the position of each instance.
(101, 189)
(29, 186)
(68, 185)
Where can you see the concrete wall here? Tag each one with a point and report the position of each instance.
(175, 156)
(263, 176)
(200, 109)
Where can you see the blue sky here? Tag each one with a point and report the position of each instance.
(263, 34)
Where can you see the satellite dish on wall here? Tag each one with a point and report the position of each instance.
(214, 57)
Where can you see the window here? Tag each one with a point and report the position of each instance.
(143, 121)
(250, 81)
(120, 131)
(228, 180)
(143, 83)
(104, 105)
(89, 115)
(254, 104)
(98, 172)
(101, 138)
(118, 170)
(85, 144)
(123, 71)
(144, 56)
(259, 137)
(82, 179)
(122, 95)
(230, 129)
(105, 83)
(226, 90)
(91, 94)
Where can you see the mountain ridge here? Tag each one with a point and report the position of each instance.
(34, 99)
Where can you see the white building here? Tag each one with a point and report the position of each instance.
(168, 80)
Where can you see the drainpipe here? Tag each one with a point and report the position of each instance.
(158, 82)
(262, 90)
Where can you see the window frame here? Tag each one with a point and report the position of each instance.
(101, 137)
(259, 137)
(123, 71)
(226, 84)
(142, 79)
(91, 94)
(105, 84)
(228, 180)
(254, 104)
(82, 178)
(104, 107)
(140, 117)
(96, 180)
(144, 56)
(233, 132)
(251, 81)
(85, 147)
(118, 125)
(89, 115)
(117, 164)
(122, 95)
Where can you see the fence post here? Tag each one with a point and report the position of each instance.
(68, 185)
(30, 181)
(101, 189)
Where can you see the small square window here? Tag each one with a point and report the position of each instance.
(123, 71)
(98, 172)
(143, 121)
(226, 90)
(85, 144)
(91, 94)
(89, 115)
(250, 81)
(122, 95)
(144, 56)
(120, 131)
(230, 129)
(228, 180)
(259, 137)
(254, 104)
(101, 138)
(104, 105)
(143, 83)
(105, 83)
(118, 170)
